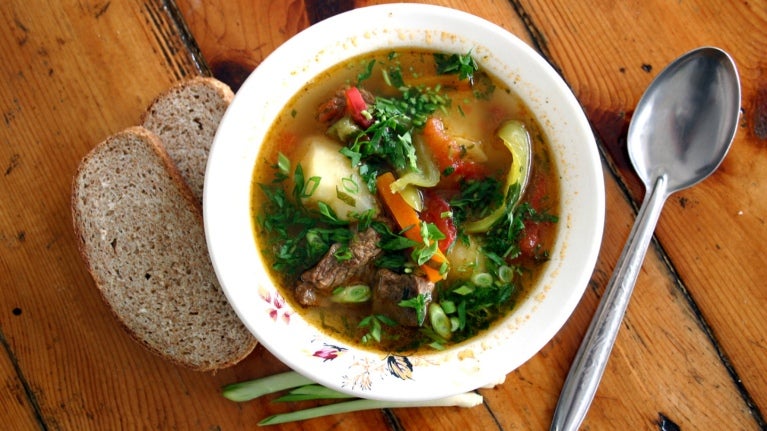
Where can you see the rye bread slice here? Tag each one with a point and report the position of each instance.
(186, 117)
(141, 233)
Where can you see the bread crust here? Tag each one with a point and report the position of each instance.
(168, 299)
(186, 117)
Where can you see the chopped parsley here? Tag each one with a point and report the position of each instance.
(462, 65)
(418, 303)
(298, 238)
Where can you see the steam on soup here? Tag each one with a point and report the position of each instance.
(387, 200)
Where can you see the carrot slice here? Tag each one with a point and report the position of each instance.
(442, 146)
(408, 220)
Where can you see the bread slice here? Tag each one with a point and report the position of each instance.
(141, 233)
(186, 117)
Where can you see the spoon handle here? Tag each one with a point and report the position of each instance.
(591, 359)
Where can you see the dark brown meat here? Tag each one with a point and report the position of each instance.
(391, 288)
(306, 295)
(335, 107)
(330, 273)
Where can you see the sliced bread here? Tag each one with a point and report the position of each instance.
(186, 117)
(140, 231)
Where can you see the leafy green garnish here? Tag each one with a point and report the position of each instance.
(298, 238)
(282, 167)
(353, 294)
(476, 199)
(388, 143)
(365, 74)
(431, 235)
(474, 304)
(374, 323)
(418, 303)
(462, 65)
(503, 237)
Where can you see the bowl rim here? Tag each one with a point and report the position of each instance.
(330, 362)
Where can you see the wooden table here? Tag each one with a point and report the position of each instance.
(692, 351)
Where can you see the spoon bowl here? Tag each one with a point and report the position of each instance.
(682, 129)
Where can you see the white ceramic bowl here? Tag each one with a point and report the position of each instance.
(329, 361)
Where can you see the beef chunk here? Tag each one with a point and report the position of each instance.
(391, 288)
(306, 295)
(334, 108)
(330, 273)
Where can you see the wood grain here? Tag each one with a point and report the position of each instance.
(712, 234)
(72, 73)
(691, 350)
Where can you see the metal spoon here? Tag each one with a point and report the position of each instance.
(682, 128)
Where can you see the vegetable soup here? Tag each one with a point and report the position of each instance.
(405, 200)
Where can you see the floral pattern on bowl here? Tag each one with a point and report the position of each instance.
(361, 370)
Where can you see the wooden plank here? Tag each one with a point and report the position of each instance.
(18, 407)
(635, 402)
(235, 36)
(713, 234)
(73, 73)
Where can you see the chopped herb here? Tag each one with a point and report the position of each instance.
(394, 77)
(343, 253)
(462, 65)
(365, 74)
(418, 303)
(373, 323)
(389, 140)
(440, 323)
(476, 199)
(431, 235)
(345, 197)
(299, 237)
(473, 304)
(283, 165)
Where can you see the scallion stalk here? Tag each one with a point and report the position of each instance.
(312, 392)
(468, 399)
(251, 389)
(308, 390)
(351, 294)
(440, 323)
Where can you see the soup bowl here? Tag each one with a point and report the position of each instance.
(425, 375)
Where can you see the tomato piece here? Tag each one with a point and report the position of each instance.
(468, 170)
(537, 192)
(357, 108)
(437, 211)
(529, 242)
(447, 155)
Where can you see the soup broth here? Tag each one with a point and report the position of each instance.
(386, 200)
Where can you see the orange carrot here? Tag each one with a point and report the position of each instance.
(442, 145)
(408, 220)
